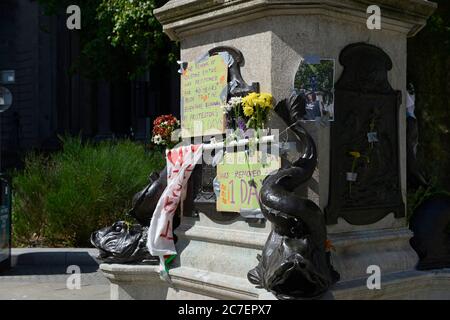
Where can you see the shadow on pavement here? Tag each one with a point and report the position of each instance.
(51, 263)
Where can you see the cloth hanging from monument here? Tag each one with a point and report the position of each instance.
(180, 164)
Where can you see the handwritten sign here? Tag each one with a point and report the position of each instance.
(235, 176)
(204, 90)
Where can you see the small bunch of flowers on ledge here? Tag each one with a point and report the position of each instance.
(164, 134)
(352, 176)
(251, 111)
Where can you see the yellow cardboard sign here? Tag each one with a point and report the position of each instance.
(204, 89)
(234, 175)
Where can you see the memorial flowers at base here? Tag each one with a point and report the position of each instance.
(247, 116)
(165, 132)
(256, 107)
(249, 112)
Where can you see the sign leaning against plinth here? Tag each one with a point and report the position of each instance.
(241, 178)
(204, 89)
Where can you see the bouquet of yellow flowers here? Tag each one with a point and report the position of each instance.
(251, 111)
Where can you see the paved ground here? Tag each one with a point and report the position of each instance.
(41, 274)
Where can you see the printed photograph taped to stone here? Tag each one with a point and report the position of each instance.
(315, 80)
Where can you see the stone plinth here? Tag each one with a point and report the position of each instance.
(273, 35)
(143, 283)
(213, 262)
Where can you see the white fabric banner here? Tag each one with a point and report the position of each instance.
(180, 164)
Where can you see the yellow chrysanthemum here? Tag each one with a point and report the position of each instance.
(259, 103)
(267, 100)
(248, 111)
(249, 100)
(355, 154)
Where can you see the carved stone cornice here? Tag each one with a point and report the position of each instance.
(181, 18)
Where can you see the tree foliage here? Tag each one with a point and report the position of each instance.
(429, 71)
(117, 37)
(323, 73)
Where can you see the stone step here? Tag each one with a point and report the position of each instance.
(143, 282)
(405, 285)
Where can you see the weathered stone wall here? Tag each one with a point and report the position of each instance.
(273, 48)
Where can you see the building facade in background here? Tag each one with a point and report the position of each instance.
(50, 101)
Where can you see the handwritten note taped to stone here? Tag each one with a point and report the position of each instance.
(235, 174)
(204, 90)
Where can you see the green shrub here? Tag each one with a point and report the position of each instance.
(61, 199)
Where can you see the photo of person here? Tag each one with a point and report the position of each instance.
(312, 108)
(315, 79)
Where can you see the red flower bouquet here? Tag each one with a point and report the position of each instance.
(165, 131)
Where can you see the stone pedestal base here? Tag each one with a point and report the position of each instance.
(143, 283)
(214, 260)
(388, 249)
(406, 285)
